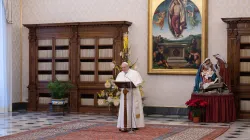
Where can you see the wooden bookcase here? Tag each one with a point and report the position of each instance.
(78, 52)
(238, 46)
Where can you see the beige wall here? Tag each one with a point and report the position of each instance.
(160, 90)
(16, 41)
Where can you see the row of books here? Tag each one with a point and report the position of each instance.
(87, 41)
(48, 66)
(245, 79)
(44, 65)
(62, 65)
(45, 42)
(44, 100)
(48, 53)
(244, 52)
(106, 53)
(44, 77)
(62, 77)
(62, 53)
(87, 78)
(44, 53)
(65, 77)
(48, 42)
(87, 53)
(88, 66)
(90, 78)
(84, 53)
(91, 53)
(245, 66)
(103, 78)
(245, 39)
(106, 41)
(48, 77)
(245, 105)
(87, 102)
(91, 41)
(62, 42)
(105, 66)
(102, 66)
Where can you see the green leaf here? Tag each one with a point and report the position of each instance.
(59, 89)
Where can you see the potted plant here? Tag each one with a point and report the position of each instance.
(196, 107)
(58, 91)
(101, 98)
(112, 93)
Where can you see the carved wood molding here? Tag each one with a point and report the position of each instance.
(232, 23)
(99, 24)
(236, 20)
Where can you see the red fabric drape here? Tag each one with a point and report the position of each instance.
(224, 73)
(221, 108)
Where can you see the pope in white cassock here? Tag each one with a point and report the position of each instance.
(128, 74)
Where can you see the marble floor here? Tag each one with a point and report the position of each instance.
(15, 122)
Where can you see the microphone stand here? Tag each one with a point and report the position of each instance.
(132, 103)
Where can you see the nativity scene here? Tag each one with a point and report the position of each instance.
(212, 77)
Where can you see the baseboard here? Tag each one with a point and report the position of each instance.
(19, 106)
(148, 110)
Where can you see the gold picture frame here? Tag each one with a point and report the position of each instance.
(177, 36)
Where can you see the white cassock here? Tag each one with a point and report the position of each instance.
(137, 115)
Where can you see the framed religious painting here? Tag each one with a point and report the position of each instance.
(177, 36)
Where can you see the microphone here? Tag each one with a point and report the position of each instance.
(125, 75)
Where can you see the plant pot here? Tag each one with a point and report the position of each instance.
(196, 119)
(58, 101)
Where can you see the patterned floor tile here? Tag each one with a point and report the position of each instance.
(23, 120)
(36, 126)
(235, 133)
(24, 129)
(238, 131)
(204, 124)
(30, 121)
(47, 124)
(170, 120)
(65, 120)
(231, 137)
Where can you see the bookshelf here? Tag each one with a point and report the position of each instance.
(238, 37)
(87, 59)
(62, 59)
(44, 60)
(79, 52)
(105, 57)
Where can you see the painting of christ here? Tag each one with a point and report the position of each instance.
(177, 36)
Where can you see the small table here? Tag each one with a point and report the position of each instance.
(221, 107)
(58, 108)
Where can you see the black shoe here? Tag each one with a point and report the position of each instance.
(123, 130)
